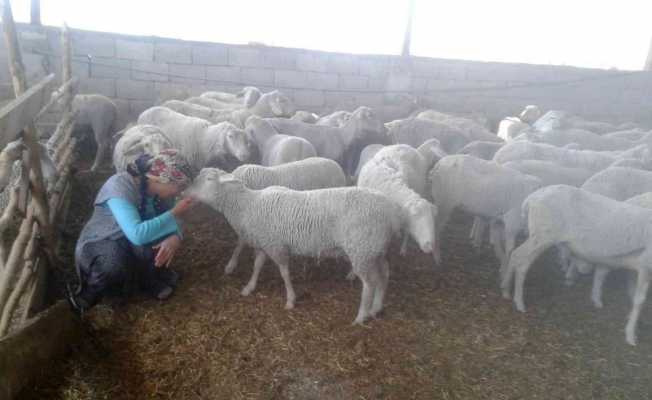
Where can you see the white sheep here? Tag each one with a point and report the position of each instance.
(469, 128)
(586, 140)
(399, 172)
(416, 131)
(619, 183)
(137, 140)
(396, 106)
(307, 174)
(510, 127)
(485, 189)
(340, 144)
(247, 97)
(530, 114)
(557, 119)
(587, 159)
(192, 110)
(336, 119)
(278, 223)
(99, 113)
(365, 155)
(201, 143)
(629, 134)
(551, 173)
(274, 148)
(605, 231)
(268, 105)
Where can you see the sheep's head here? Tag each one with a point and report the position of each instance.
(279, 104)
(367, 126)
(305, 116)
(208, 185)
(431, 152)
(258, 130)
(236, 141)
(250, 96)
(530, 114)
(421, 217)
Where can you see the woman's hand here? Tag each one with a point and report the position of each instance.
(166, 250)
(183, 206)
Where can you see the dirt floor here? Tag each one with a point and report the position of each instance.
(444, 334)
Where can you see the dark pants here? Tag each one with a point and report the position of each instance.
(118, 267)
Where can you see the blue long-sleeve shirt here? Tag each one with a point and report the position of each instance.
(136, 230)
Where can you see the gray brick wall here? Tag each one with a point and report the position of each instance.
(139, 71)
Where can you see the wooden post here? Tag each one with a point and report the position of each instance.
(66, 45)
(30, 135)
(36, 12)
(648, 61)
(408, 31)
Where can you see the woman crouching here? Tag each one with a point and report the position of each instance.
(133, 234)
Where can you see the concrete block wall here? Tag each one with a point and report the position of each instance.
(138, 72)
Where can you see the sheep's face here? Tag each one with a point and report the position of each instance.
(206, 186)
(367, 124)
(421, 225)
(250, 95)
(238, 143)
(280, 104)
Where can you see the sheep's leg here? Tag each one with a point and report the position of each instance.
(598, 281)
(564, 254)
(642, 284)
(631, 284)
(496, 238)
(519, 263)
(258, 266)
(233, 262)
(368, 274)
(102, 148)
(381, 289)
(350, 276)
(404, 244)
(478, 231)
(282, 259)
(571, 273)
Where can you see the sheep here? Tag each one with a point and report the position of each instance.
(192, 110)
(356, 222)
(305, 116)
(551, 173)
(431, 152)
(274, 148)
(619, 183)
(201, 143)
(137, 140)
(98, 113)
(556, 119)
(483, 150)
(365, 155)
(485, 189)
(510, 127)
(340, 144)
(595, 228)
(591, 160)
(530, 114)
(307, 174)
(212, 103)
(248, 96)
(269, 105)
(469, 128)
(395, 106)
(337, 119)
(416, 131)
(587, 140)
(399, 172)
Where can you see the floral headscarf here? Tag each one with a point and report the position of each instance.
(168, 166)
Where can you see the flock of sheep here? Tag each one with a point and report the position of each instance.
(348, 183)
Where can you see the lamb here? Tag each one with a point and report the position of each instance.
(483, 150)
(201, 143)
(416, 131)
(337, 119)
(192, 110)
(591, 160)
(278, 223)
(274, 148)
(595, 228)
(137, 140)
(399, 172)
(469, 128)
(248, 96)
(98, 113)
(489, 190)
(340, 144)
(307, 174)
(305, 116)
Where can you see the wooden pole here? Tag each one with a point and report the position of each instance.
(36, 12)
(19, 80)
(648, 61)
(408, 31)
(66, 45)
